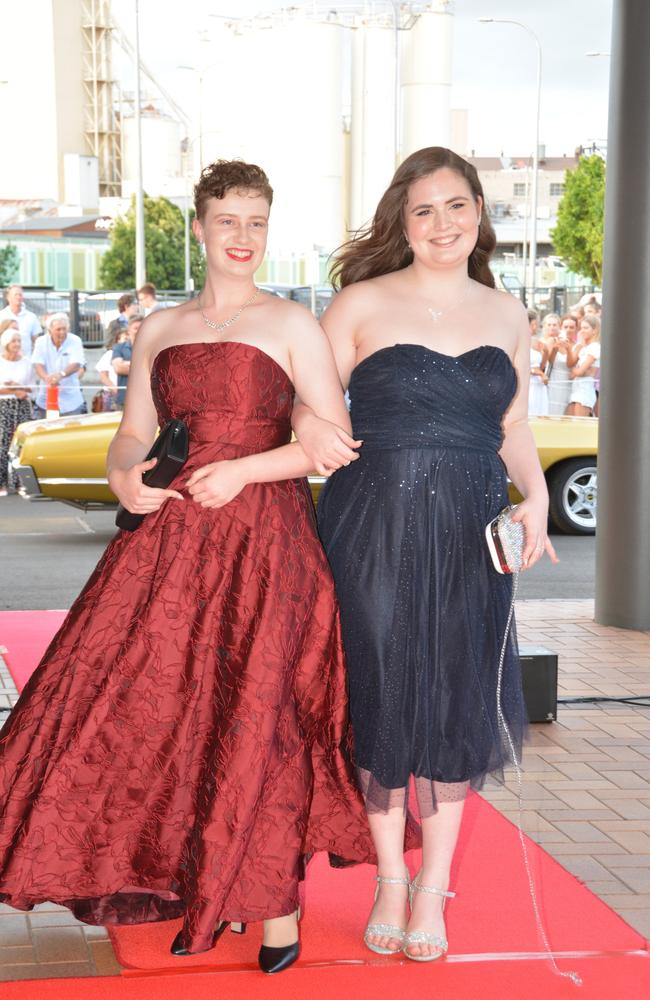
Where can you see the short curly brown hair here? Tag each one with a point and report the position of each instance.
(225, 175)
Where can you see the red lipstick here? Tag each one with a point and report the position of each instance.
(239, 254)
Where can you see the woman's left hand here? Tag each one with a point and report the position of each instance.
(217, 484)
(534, 515)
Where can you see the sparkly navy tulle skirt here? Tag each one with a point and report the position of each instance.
(424, 612)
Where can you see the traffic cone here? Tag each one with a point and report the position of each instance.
(52, 403)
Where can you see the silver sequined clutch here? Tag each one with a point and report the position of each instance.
(505, 540)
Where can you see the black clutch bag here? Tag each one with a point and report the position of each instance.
(170, 448)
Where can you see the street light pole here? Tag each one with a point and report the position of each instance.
(140, 260)
(532, 255)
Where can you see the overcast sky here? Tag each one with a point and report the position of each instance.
(493, 64)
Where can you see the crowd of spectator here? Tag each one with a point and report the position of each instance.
(565, 362)
(33, 360)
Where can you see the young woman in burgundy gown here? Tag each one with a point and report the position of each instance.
(184, 744)
(437, 365)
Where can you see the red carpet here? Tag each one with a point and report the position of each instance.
(25, 635)
(494, 954)
(490, 925)
(611, 978)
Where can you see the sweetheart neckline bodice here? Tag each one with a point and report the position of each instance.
(431, 350)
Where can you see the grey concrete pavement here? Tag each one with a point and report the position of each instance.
(574, 577)
(48, 550)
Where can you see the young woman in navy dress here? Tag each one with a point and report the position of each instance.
(436, 363)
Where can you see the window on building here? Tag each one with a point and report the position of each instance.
(520, 190)
(557, 190)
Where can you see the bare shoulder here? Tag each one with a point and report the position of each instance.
(291, 320)
(504, 305)
(279, 310)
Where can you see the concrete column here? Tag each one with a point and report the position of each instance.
(623, 540)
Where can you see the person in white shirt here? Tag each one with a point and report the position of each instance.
(58, 359)
(15, 407)
(587, 368)
(28, 324)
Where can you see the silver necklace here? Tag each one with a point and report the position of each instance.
(227, 322)
(437, 314)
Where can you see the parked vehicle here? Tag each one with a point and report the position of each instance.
(89, 327)
(65, 460)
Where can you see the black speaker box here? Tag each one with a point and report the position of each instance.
(539, 678)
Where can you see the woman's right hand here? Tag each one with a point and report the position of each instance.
(132, 493)
(326, 444)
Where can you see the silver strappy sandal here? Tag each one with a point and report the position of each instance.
(386, 930)
(425, 937)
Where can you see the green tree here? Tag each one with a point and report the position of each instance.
(9, 264)
(164, 240)
(578, 236)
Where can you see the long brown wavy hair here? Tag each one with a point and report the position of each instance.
(382, 248)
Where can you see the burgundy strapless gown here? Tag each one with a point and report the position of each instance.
(184, 743)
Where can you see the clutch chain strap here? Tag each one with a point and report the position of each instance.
(501, 721)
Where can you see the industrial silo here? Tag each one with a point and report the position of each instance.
(426, 81)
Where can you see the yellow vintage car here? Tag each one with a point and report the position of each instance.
(65, 460)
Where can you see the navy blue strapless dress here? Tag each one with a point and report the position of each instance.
(423, 610)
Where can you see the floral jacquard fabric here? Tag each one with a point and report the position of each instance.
(184, 743)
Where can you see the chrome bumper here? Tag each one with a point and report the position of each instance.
(28, 485)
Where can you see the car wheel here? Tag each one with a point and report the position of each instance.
(573, 493)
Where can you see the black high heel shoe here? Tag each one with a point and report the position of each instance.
(272, 960)
(178, 948)
(277, 959)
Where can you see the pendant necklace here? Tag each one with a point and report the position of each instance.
(437, 314)
(227, 322)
